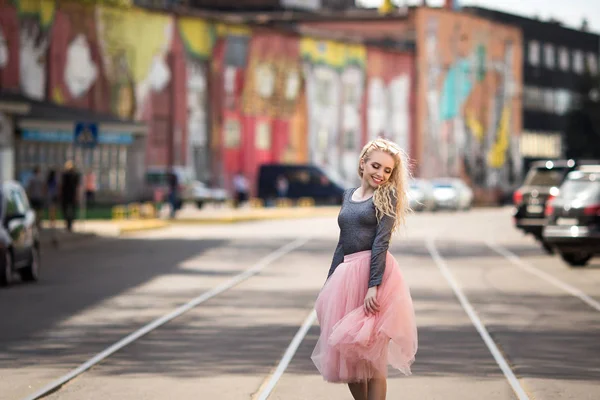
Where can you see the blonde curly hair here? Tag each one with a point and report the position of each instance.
(396, 187)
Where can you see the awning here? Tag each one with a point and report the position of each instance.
(47, 116)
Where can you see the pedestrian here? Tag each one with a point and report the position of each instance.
(174, 197)
(240, 185)
(282, 185)
(69, 193)
(35, 192)
(90, 188)
(52, 196)
(365, 309)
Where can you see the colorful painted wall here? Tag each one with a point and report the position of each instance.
(469, 103)
(228, 97)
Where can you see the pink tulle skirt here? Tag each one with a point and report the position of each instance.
(353, 346)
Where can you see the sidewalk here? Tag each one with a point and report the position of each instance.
(216, 215)
(90, 229)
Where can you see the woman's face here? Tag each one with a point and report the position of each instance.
(377, 168)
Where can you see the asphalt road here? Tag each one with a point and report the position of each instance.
(484, 295)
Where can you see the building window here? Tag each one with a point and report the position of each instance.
(592, 62)
(548, 100)
(549, 59)
(578, 61)
(563, 59)
(562, 99)
(541, 144)
(533, 98)
(534, 53)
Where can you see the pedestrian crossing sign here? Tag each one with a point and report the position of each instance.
(86, 134)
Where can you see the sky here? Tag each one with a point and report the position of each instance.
(570, 12)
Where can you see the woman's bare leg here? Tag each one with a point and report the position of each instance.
(358, 390)
(377, 388)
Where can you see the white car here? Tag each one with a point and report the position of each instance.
(200, 194)
(452, 193)
(420, 195)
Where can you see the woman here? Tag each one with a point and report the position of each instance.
(365, 309)
(52, 195)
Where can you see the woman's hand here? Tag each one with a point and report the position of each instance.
(371, 305)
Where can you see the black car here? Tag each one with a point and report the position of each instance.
(573, 226)
(541, 184)
(19, 239)
(303, 181)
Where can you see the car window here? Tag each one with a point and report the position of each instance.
(156, 178)
(22, 201)
(581, 187)
(12, 204)
(545, 177)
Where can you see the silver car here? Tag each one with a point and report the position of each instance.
(452, 194)
(420, 195)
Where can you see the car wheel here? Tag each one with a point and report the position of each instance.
(31, 272)
(6, 269)
(576, 259)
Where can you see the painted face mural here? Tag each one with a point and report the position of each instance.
(3, 49)
(377, 108)
(32, 68)
(399, 119)
(352, 86)
(159, 75)
(196, 94)
(80, 70)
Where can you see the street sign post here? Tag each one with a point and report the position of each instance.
(85, 136)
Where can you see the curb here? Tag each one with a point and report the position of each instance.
(141, 225)
(258, 215)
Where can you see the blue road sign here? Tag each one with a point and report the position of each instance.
(86, 135)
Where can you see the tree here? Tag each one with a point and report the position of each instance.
(582, 132)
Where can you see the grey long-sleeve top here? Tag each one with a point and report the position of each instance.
(360, 231)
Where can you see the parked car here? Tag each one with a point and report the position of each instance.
(573, 226)
(541, 184)
(156, 186)
(303, 181)
(452, 194)
(19, 237)
(420, 195)
(201, 194)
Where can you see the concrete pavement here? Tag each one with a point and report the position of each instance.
(227, 347)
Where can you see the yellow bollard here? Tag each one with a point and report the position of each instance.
(306, 202)
(283, 203)
(148, 210)
(118, 212)
(133, 211)
(256, 202)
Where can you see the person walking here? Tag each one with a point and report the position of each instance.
(240, 185)
(35, 192)
(365, 309)
(52, 196)
(69, 193)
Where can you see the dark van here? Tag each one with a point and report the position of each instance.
(302, 181)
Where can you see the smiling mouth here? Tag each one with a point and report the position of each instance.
(377, 180)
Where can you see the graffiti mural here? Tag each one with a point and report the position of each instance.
(469, 105)
(271, 92)
(134, 46)
(35, 22)
(197, 37)
(334, 76)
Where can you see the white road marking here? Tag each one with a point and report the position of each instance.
(269, 384)
(255, 269)
(466, 304)
(516, 260)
